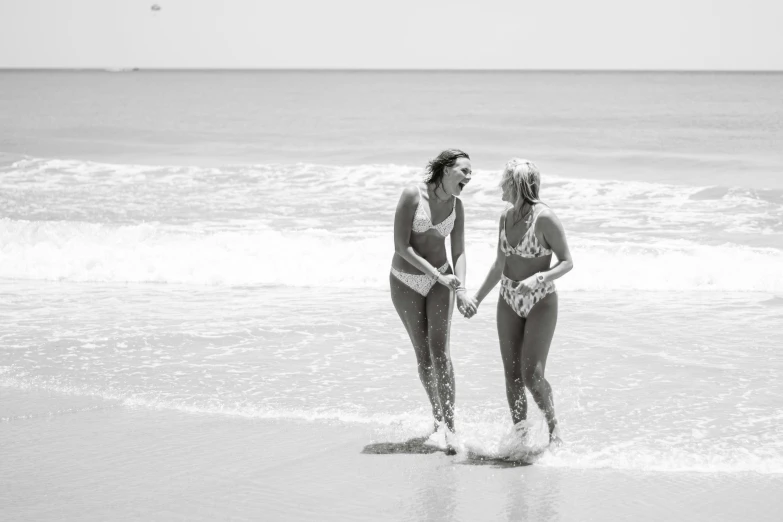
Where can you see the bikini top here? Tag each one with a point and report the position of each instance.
(422, 222)
(528, 246)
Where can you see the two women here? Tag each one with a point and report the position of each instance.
(423, 286)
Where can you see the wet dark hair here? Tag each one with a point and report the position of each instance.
(447, 158)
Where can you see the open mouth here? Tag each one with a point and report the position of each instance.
(462, 184)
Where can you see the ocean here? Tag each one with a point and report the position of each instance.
(199, 259)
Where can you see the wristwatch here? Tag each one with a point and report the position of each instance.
(540, 278)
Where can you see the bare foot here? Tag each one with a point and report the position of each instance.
(554, 437)
(521, 429)
(452, 444)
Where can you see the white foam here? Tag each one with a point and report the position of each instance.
(480, 433)
(331, 226)
(705, 459)
(74, 251)
(150, 253)
(348, 415)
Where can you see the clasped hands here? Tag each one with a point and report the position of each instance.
(468, 306)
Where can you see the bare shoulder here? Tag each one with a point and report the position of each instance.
(502, 218)
(548, 220)
(410, 195)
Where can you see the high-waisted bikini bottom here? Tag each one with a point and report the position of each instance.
(422, 283)
(523, 303)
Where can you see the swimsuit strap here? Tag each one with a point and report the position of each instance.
(535, 216)
(532, 227)
(420, 209)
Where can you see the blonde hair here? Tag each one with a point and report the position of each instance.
(524, 179)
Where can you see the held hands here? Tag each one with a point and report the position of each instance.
(468, 306)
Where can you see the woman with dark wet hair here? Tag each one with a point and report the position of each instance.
(423, 285)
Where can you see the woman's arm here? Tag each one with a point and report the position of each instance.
(403, 220)
(464, 304)
(555, 237)
(495, 271)
(458, 243)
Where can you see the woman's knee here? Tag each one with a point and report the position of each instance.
(424, 368)
(514, 376)
(438, 341)
(422, 349)
(534, 376)
(442, 363)
(424, 364)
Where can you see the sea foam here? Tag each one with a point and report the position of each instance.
(153, 253)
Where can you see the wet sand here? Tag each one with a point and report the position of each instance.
(69, 458)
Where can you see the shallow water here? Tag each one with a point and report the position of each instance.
(194, 271)
(647, 393)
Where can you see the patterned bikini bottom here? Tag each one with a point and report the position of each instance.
(421, 283)
(523, 303)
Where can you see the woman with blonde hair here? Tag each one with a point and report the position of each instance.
(529, 233)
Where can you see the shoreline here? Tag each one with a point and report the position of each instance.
(90, 462)
(93, 464)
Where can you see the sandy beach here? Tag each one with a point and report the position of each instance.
(91, 461)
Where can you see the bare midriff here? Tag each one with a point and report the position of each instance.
(518, 268)
(430, 245)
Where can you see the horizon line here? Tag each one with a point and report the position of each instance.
(360, 70)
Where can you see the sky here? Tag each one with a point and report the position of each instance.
(401, 34)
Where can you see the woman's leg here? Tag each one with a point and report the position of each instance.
(410, 306)
(440, 302)
(539, 330)
(511, 329)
